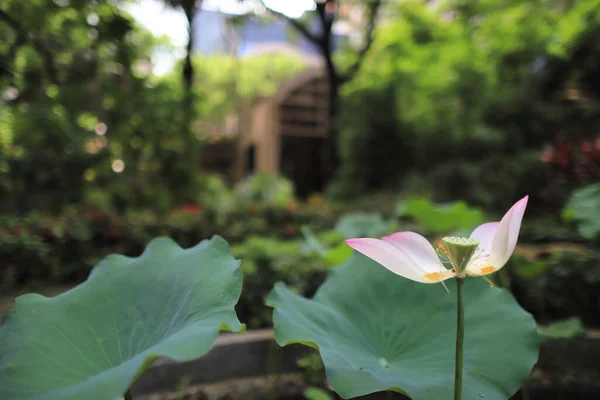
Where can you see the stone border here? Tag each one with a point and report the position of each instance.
(565, 366)
(233, 356)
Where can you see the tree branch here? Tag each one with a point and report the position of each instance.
(355, 67)
(37, 44)
(296, 24)
(327, 23)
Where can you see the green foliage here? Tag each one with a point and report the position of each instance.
(455, 217)
(583, 14)
(215, 195)
(312, 242)
(95, 340)
(267, 261)
(267, 189)
(63, 248)
(469, 181)
(528, 269)
(429, 87)
(332, 256)
(338, 255)
(584, 208)
(312, 368)
(363, 224)
(376, 331)
(548, 229)
(565, 329)
(316, 394)
(224, 83)
(459, 108)
(99, 106)
(559, 285)
(83, 96)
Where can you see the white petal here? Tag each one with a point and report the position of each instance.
(503, 241)
(485, 234)
(417, 249)
(505, 238)
(397, 261)
(388, 256)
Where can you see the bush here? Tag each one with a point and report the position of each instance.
(584, 208)
(441, 218)
(266, 189)
(561, 285)
(266, 261)
(363, 224)
(64, 248)
(455, 113)
(492, 184)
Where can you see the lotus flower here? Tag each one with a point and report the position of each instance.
(410, 255)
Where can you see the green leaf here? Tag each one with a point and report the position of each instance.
(584, 207)
(362, 224)
(313, 393)
(338, 255)
(92, 342)
(441, 218)
(565, 329)
(377, 331)
(528, 269)
(312, 242)
(332, 257)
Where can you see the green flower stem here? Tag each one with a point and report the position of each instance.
(128, 395)
(460, 335)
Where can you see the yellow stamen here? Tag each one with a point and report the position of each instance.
(434, 276)
(487, 270)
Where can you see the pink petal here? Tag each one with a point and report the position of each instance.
(505, 238)
(388, 256)
(485, 234)
(417, 249)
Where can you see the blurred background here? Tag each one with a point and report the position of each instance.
(286, 126)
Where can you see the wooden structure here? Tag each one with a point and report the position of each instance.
(287, 134)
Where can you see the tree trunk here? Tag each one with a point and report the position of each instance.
(188, 68)
(325, 45)
(332, 156)
(323, 41)
(189, 8)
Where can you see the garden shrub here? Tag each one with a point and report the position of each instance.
(363, 224)
(561, 285)
(452, 113)
(267, 189)
(441, 218)
(549, 229)
(63, 248)
(584, 208)
(266, 261)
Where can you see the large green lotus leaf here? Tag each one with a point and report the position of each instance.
(93, 341)
(377, 331)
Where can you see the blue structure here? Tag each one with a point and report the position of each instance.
(214, 33)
